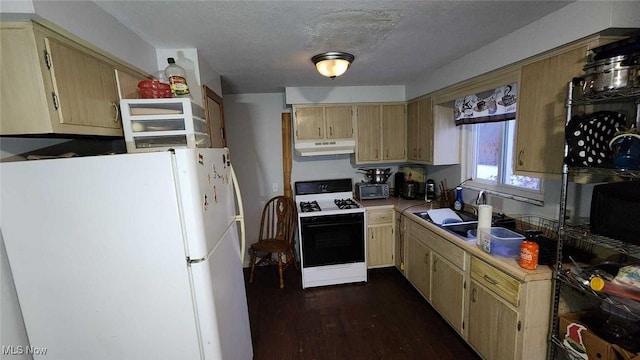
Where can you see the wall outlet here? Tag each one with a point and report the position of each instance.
(275, 188)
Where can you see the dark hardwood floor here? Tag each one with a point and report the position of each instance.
(384, 318)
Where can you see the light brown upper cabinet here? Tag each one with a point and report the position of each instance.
(54, 85)
(419, 130)
(541, 107)
(432, 137)
(381, 132)
(323, 122)
(214, 114)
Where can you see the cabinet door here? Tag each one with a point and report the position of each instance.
(447, 291)
(400, 246)
(413, 130)
(541, 111)
(418, 269)
(309, 123)
(369, 133)
(24, 104)
(338, 122)
(85, 87)
(426, 135)
(380, 246)
(493, 325)
(214, 114)
(393, 132)
(420, 131)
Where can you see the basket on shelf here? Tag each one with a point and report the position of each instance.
(154, 89)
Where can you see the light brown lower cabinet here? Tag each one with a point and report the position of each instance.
(503, 313)
(447, 291)
(418, 265)
(493, 324)
(380, 237)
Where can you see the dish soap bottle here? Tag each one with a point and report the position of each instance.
(177, 78)
(458, 204)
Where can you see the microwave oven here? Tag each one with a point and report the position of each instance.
(365, 191)
(615, 211)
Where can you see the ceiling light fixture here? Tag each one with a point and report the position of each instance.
(332, 63)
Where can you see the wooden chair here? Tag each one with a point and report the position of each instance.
(277, 234)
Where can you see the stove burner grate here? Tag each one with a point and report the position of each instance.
(309, 206)
(346, 204)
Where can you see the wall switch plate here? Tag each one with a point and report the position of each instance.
(275, 188)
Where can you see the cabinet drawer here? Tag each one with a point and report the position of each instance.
(377, 217)
(502, 284)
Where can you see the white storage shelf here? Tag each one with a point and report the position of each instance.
(162, 124)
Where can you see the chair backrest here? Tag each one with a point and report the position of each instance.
(279, 219)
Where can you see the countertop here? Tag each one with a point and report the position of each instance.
(508, 265)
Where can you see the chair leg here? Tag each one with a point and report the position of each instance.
(253, 265)
(280, 270)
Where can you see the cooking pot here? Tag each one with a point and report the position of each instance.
(377, 176)
(615, 73)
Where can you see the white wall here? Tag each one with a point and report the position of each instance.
(254, 135)
(573, 22)
(199, 72)
(344, 94)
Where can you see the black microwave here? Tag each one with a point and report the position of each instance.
(365, 191)
(615, 211)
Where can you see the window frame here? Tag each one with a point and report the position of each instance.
(469, 136)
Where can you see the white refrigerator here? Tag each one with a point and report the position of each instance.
(131, 256)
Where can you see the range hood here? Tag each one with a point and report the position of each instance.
(325, 147)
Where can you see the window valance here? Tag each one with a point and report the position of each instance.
(488, 106)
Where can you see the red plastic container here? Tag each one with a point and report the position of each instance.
(154, 89)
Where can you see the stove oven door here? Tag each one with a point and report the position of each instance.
(332, 239)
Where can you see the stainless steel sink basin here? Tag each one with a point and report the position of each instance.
(469, 222)
(465, 216)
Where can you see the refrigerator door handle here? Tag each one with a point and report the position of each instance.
(240, 216)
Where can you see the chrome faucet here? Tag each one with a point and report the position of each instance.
(482, 198)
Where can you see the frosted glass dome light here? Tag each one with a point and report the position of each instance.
(332, 63)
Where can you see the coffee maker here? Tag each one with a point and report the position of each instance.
(398, 184)
(430, 190)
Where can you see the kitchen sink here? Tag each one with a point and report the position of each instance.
(469, 222)
(465, 216)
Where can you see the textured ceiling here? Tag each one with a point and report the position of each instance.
(263, 46)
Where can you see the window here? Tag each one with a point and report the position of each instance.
(491, 157)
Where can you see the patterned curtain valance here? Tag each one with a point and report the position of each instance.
(488, 106)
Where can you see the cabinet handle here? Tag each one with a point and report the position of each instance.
(426, 258)
(435, 264)
(494, 282)
(116, 116)
(318, 131)
(47, 59)
(56, 104)
(519, 325)
(330, 131)
(387, 153)
(520, 153)
(474, 294)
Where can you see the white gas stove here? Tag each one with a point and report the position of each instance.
(331, 226)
